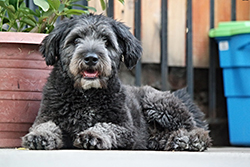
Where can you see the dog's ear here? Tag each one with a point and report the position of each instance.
(50, 46)
(130, 46)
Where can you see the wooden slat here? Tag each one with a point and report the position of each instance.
(222, 10)
(14, 127)
(12, 95)
(29, 64)
(242, 10)
(97, 5)
(18, 111)
(176, 32)
(20, 51)
(177, 26)
(10, 143)
(151, 25)
(11, 135)
(200, 32)
(23, 79)
(125, 13)
(20, 37)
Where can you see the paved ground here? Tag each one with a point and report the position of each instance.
(214, 157)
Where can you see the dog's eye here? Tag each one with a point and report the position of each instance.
(106, 44)
(77, 41)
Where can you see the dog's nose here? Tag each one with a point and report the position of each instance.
(91, 59)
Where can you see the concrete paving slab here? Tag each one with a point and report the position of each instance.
(214, 157)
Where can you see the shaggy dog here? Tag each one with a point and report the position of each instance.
(85, 105)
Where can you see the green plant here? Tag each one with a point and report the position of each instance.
(16, 16)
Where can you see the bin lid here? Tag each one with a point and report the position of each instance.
(230, 28)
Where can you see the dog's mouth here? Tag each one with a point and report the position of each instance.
(90, 74)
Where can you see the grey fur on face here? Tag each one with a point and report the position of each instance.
(99, 42)
(102, 68)
(86, 106)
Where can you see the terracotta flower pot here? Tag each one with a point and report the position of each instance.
(23, 73)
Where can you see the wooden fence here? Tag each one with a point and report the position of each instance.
(187, 42)
(177, 16)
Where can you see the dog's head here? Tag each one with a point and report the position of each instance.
(89, 48)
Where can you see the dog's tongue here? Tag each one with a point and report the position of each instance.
(90, 74)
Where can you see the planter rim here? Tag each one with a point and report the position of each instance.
(21, 37)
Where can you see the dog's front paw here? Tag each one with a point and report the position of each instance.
(41, 141)
(199, 140)
(194, 140)
(178, 143)
(92, 140)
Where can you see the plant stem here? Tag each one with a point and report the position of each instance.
(2, 19)
(43, 26)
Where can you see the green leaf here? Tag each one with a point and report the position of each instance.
(85, 7)
(23, 5)
(21, 25)
(42, 4)
(122, 1)
(38, 12)
(42, 19)
(28, 22)
(32, 18)
(28, 11)
(65, 9)
(11, 8)
(5, 20)
(103, 4)
(11, 12)
(61, 7)
(75, 12)
(28, 29)
(14, 3)
(50, 28)
(55, 4)
(15, 26)
(72, 1)
(48, 13)
(3, 3)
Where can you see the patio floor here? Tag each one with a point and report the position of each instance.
(226, 156)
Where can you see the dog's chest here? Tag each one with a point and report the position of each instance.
(84, 111)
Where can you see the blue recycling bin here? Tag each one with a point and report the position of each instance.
(234, 54)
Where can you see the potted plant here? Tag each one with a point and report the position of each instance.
(22, 69)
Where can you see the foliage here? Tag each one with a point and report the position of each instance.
(104, 3)
(16, 16)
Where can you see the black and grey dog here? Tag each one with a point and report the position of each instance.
(86, 106)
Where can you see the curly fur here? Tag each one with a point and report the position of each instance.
(86, 106)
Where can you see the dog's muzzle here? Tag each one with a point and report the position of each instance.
(90, 74)
(90, 59)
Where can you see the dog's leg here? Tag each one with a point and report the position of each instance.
(194, 140)
(182, 121)
(167, 110)
(104, 136)
(44, 136)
